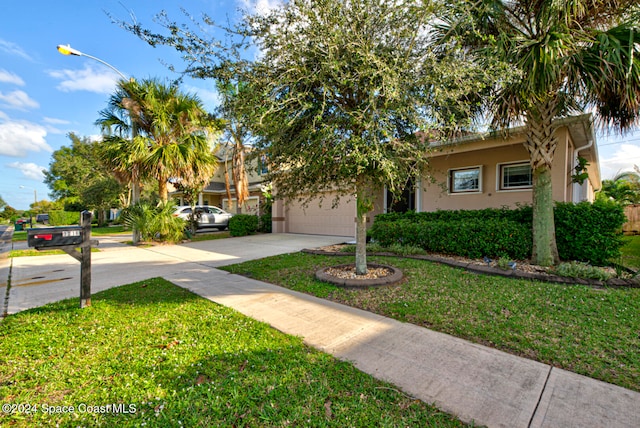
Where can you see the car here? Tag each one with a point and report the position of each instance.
(206, 216)
(42, 218)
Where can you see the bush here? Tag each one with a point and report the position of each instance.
(589, 232)
(586, 232)
(467, 238)
(63, 218)
(243, 224)
(154, 223)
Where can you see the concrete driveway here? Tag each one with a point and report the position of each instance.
(44, 279)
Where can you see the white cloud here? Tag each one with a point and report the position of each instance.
(54, 121)
(622, 159)
(261, 7)
(18, 100)
(87, 79)
(8, 77)
(17, 138)
(29, 170)
(13, 49)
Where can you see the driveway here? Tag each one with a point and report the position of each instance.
(44, 279)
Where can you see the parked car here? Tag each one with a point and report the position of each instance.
(42, 218)
(206, 216)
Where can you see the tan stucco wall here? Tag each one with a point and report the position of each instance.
(489, 154)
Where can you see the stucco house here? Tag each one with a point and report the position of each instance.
(215, 193)
(474, 172)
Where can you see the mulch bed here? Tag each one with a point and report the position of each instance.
(522, 269)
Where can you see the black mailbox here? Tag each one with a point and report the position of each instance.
(46, 237)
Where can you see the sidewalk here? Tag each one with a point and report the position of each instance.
(473, 382)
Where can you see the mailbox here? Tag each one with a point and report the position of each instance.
(51, 237)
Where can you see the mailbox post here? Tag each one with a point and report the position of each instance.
(67, 239)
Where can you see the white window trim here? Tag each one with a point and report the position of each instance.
(465, 168)
(499, 188)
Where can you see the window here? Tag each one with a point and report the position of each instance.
(515, 176)
(467, 180)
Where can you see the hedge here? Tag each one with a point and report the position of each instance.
(63, 218)
(468, 238)
(243, 224)
(585, 232)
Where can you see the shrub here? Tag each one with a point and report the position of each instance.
(154, 223)
(243, 224)
(468, 238)
(584, 231)
(589, 232)
(63, 218)
(581, 270)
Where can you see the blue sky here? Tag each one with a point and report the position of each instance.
(45, 95)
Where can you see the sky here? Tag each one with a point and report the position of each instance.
(45, 95)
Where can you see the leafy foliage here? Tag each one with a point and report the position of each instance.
(567, 57)
(243, 224)
(338, 94)
(589, 232)
(172, 134)
(623, 188)
(77, 174)
(585, 232)
(154, 222)
(469, 238)
(64, 218)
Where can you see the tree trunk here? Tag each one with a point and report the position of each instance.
(545, 250)
(541, 144)
(364, 206)
(163, 192)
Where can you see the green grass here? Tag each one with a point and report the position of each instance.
(210, 236)
(171, 358)
(594, 332)
(631, 252)
(33, 252)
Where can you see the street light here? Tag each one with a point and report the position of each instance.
(35, 194)
(135, 186)
(68, 50)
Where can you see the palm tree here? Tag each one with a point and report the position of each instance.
(173, 132)
(624, 188)
(567, 57)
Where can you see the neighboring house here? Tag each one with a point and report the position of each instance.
(474, 172)
(215, 193)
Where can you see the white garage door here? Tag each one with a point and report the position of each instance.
(322, 220)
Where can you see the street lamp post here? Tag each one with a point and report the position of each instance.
(135, 185)
(35, 202)
(35, 194)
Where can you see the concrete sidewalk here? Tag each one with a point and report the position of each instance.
(473, 382)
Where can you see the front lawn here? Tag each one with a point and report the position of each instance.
(631, 252)
(594, 332)
(153, 354)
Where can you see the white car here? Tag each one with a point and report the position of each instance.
(206, 216)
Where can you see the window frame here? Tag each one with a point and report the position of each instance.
(500, 168)
(450, 180)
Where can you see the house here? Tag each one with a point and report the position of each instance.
(215, 193)
(474, 172)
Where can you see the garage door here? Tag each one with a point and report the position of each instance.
(322, 220)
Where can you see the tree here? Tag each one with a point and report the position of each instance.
(173, 132)
(78, 167)
(624, 188)
(568, 57)
(340, 94)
